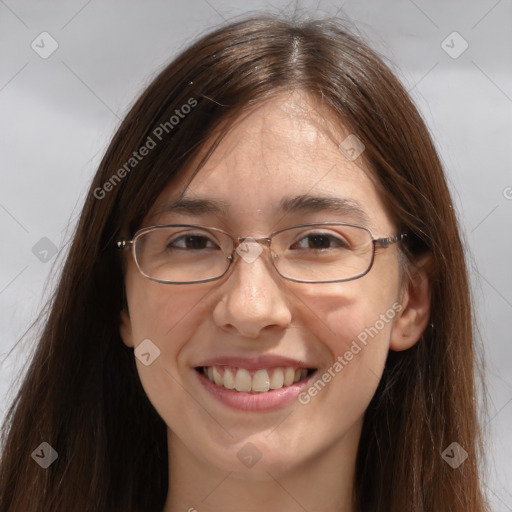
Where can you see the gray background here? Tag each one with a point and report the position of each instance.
(58, 114)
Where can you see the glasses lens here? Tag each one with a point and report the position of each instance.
(323, 253)
(182, 254)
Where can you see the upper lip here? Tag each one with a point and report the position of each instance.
(255, 363)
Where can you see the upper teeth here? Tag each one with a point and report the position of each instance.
(260, 381)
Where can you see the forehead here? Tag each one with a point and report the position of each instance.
(282, 153)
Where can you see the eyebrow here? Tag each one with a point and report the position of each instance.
(304, 203)
(311, 204)
(190, 206)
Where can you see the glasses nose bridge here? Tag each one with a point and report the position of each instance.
(250, 239)
(240, 240)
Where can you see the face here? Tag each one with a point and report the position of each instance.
(252, 319)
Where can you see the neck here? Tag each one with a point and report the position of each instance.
(323, 482)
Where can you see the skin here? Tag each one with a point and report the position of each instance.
(308, 452)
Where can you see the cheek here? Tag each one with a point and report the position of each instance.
(343, 312)
(168, 316)
(353, 321)
(163, 313)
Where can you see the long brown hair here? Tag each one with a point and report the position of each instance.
(81, 393)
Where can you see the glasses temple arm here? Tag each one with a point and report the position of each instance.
(123, 243)
(385, 242)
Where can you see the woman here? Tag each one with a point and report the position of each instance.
(265, 305)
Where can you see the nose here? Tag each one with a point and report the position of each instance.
(252, 300)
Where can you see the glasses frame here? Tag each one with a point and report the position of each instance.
(384, 242)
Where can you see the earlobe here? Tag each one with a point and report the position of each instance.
(125, 328)
(415, 313)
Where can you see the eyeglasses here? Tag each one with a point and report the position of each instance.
(322, 252)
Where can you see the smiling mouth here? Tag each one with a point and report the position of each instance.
(254, 381)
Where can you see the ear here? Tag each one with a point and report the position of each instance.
(415, 301)
(125, 328)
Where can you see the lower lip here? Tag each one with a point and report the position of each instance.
(254, 401)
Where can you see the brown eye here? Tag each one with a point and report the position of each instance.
(191, 242)
(320, 241)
